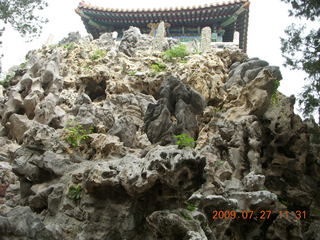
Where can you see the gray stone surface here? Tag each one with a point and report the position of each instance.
(205, 39)
(160, 42)
(178, 100)
(119, 182)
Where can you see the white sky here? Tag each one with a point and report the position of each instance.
(267, 21)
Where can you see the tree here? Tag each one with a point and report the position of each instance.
(301, 50)
(21, 15)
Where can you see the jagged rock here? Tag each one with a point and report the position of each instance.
(205, 39)
(21, 222)
(45, 111)
(39, 168)
(39, 201)
(129, 40)
(255, 200)
(178, 100)
(313, 231)
(30, 102)
(174, 168)
(213, 202)
(160, 42)
(250, 153)
(104, 145)
(133, 40)
(177, 224)
(285, 228)
(73, 37)
(253, 182)
(106, 40)
(13, 105)
(54, 198)
(256, 81)
(125, 129)
(17, 126)
(40, 136)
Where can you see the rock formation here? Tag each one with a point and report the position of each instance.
(90, 148)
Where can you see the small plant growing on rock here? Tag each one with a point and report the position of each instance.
(68, 46)
(158, 67)
(87, 67)
(5, 82)
(274, 97)
(191, 207)
(179, 51)
(74, 192)
(185, 215)
(132, 73)
(75, 133)
(99, 53)
(184, 140)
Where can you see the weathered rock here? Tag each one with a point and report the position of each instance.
(17, 126)
(160, 42)
(106, 40)
(253, 182)
(39, 168)
(177, 224)
(174, 168)
(45, 111)
(133, 40)
(285, 228)
(178, 100)
(250, 154)
(129, 41)
(21, 222)
(73, 37)
(205, 39)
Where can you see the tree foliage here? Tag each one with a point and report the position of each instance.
(22, 15)
(301, 50)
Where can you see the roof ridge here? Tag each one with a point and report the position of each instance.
(83, 4)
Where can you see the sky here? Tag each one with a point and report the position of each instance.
(267, 21)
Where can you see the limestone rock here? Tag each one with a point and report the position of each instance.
(178, 100)
(176, 224)
(250, 154)
(174, 168)
(132, 40)
(17, 126)
(22, 222)
(205, 39)
(160, 42)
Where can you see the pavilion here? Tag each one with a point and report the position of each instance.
(181, 22)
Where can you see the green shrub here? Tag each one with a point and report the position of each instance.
(99, 53)
(183, 61)
(158, 67)
(132, 73)
(179, 51)
(68, 46)
(185, 215)
(315, 212)
(219, 163)
(87, 67)
(75, 133)
(274, 97)
(184, 140)
(5, 82)
(74, 192)
(191, 207)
